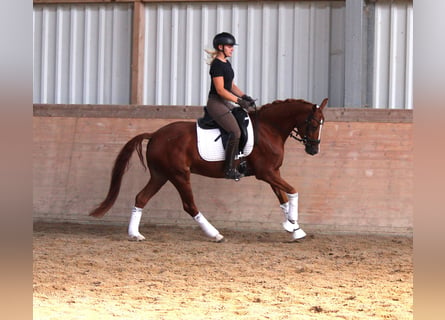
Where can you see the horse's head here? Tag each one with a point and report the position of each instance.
(309, 131)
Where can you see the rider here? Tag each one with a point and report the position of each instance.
(222, 92)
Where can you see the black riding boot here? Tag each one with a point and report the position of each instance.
(231, 150)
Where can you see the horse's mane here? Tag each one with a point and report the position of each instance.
(271, 106)
(287, 101)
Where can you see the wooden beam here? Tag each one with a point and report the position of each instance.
(137, 58)
(194, 112)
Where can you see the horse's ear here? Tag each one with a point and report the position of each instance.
(324, 103)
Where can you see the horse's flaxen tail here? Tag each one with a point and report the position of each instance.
(120, 166)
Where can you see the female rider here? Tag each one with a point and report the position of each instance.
(222, 92)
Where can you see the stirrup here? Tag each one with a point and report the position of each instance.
(233, 174)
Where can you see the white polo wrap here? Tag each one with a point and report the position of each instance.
(293, 207)
(206, 226)
(135, 219)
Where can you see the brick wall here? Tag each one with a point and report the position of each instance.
(362, 181)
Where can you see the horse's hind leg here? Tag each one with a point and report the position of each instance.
(182, 184)
(154, 184)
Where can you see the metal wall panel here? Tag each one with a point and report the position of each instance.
(286, 49)
(82, 53)
(392, 85)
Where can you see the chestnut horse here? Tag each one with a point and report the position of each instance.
(172, 155)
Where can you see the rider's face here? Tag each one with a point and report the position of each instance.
(228, 50)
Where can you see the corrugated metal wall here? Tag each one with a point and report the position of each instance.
(392, 81)
(286, 49)
(82, 53)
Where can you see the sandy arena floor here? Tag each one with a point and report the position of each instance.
(93, 272)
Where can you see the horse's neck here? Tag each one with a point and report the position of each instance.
(284, 118)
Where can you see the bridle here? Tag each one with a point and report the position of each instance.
(305, 140)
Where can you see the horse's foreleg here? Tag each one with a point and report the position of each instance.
(288, 205)
(284, 201)
(280, 194)
(290, 211)
(142, 199)
(184, 188)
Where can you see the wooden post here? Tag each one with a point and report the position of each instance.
(137, 56)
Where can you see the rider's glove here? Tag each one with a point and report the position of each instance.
(244, 103)
(248, 98)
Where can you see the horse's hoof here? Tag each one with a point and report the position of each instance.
(219, 238)
(298, 235)
(137, 237)
(289, 226)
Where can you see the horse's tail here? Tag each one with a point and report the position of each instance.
(120, 167)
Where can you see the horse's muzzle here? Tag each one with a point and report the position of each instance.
(311, 150)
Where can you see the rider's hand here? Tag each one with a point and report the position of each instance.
(245, 104)
(248, 98)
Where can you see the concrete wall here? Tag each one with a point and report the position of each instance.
(362, 181)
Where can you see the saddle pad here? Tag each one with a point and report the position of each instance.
(211, 150)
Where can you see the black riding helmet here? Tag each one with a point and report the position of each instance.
(223, 38)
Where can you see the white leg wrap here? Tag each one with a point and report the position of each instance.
(133, 226)
(293, 207)
(207, 227)
(290, 210)
(285, 208)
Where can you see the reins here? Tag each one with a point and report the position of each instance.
(295, 133)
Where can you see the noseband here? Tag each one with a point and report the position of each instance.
(305, 139)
